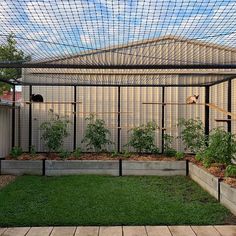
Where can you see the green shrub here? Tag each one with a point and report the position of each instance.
(126, 154)
(115, 154)
(96, 134)
(64, 154)
(16, 152)
(221, 148)
(192, 134)
(142, 138)
(54, 131)
(199, 156)
(230, 171)
(77, 153)
(32, 151)
(168, 141)
(179, 155)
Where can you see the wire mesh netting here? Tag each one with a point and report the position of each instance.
(131, 46)
(114, 32)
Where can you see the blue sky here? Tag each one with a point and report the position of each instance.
(47, 28)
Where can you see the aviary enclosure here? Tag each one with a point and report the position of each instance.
(127, 62)
(128, 95)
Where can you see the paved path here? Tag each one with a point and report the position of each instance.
(229, 230)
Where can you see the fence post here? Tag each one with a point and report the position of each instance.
(118, 121)
(13, 116)
(229, 103)
(207, 110)
(75, 121)
(219, 180)
(162, 119)
(30, 117)
(120, 167)
(187, 167)
(43, 167)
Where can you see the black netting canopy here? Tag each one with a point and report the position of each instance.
(164, 42)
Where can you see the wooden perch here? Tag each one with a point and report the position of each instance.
(172, 103)
(210, 105)
(105, 112)
(214, 107)
(28, 102)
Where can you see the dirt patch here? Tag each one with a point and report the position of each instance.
(6, 179)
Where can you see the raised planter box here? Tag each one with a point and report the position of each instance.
(159, 168)
(228, 197)
(56, 168)
(16, 167)
(207, 181)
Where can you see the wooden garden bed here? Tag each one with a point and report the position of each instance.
(98, 167)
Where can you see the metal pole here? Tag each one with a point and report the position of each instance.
(13, 116)
(162, 119)
(75, 121)
(207, 110)
(118, 121)
(30, 117)
(229, 104)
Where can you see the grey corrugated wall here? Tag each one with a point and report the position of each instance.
(5, 131)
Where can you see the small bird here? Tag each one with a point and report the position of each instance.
(192, 99)
(36, 98)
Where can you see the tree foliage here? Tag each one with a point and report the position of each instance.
(9, 52)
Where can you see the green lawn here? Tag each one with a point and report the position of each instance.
(103, 200)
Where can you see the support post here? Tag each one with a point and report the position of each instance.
(187, 167)
(120, 167)
(13, 124)
(163, 120)
(30, 117)
(44, 167)
(75, 121)
(207, 110)
(229, 104)
(118, 121)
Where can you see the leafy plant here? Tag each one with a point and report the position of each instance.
(199, 156)
(179, 155)
(64, 154)
(115, 154)
(142, 138)
(126, 154)
(54, 131)
(32, 151)
(96, 134)
(221, 148)
(230, 171)
(192, 134)
(16, 152)
(168, 141)
(77, 153)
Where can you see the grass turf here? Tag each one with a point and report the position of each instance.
(103, 200)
